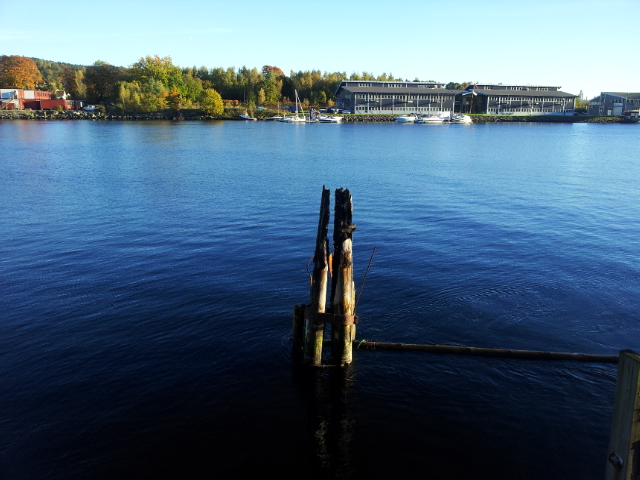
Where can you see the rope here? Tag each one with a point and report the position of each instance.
(365, 276)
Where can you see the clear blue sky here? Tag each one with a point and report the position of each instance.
(583, 45)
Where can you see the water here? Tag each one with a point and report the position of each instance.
(148, 272)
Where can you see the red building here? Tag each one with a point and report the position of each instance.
(17, 98)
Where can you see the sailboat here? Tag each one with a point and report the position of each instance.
(275, 117)
(295, 118)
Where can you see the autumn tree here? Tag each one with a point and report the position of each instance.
(321, 99)
(173, 99)
(72, 81)
(101, 79)
(211, 103)
(362, 76)
(160, 69)
(79, 85)
(192, 87)
(129, 97)
(19, 72)
(68, 78)
(271, 84)
(269, 70)
(51, 74)
(154, 96)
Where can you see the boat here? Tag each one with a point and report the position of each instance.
(245, 116)
(431, 119)
(632, 116)
(459, 118)
(328, 118)
(297, 118)
(406, 118)
(292, 119)
(275, 118)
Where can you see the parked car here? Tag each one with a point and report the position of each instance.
(90, 108)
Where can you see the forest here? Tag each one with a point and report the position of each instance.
(154, 84)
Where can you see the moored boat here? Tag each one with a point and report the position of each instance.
(411, 118)
(245, 116)
(459, 118)
(292, 119)
(632, 116)
(432, 119)
(296, 118)
(329, 118)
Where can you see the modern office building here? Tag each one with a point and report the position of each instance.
(393, 97)
(515, 100)
(614, 103)
(389, 97)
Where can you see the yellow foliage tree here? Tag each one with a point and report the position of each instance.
(173, 100)
(211, 103)
(19, 72)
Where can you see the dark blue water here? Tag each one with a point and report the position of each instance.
(148, 272)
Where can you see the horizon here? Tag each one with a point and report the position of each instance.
(502, 44)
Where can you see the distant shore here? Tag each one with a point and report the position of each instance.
(497, 119)
(197, 115)
(84, 115)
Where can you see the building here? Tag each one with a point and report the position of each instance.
(53, 104)
(389, 97)
(515, 100)
(16, 97)
(19, 99)
(614, 103)
(394, 97)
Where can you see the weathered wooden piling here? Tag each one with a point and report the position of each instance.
(623, 455)
(343, 292)
(313, 327)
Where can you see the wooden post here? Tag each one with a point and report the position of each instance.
(313, 328)
(343, 292)
(623, 454)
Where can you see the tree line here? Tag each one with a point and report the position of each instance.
(154, 83)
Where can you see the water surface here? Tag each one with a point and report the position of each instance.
(149, 271)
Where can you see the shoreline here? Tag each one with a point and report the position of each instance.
(349, 118)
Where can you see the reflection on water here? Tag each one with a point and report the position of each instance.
(327, 394)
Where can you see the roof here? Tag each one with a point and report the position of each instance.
(444, 91)
(522, 93)
(512, 86)
(403, 82)
(399, 90)
(623, 94)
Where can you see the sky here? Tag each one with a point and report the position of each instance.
(579, 45)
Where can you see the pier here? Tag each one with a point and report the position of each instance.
(309, 322)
